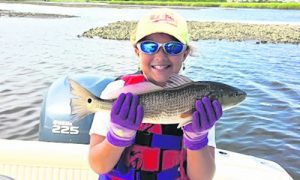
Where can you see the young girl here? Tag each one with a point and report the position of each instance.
(121, 147)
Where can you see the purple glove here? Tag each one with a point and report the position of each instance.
(205, 116)
(126, 117)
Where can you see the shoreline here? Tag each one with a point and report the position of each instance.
(171, 4)
(261, 33)
(10, 13)
(232, 31)
(94, 4)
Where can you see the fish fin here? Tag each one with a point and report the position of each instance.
(78, 101)
(185, 118)
(184, 122)
(186, 114)
(177, 80)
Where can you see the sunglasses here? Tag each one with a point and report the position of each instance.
(170, 48)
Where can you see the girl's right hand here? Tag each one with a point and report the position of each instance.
(126, 117)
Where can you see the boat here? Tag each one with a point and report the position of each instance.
(61, 153)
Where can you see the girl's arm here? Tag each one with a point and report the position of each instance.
(103, 156)
(201, 163)
(200, 156)
(125, 117)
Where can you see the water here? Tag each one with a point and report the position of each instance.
(35, 52)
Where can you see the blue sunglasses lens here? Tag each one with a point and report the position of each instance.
(171, 48)
(149, 47)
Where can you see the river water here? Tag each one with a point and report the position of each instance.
(35, 52)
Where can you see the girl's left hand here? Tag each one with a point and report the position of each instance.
(206, 115)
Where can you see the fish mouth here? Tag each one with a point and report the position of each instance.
(242, 95)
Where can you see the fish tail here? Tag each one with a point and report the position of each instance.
(80, 101)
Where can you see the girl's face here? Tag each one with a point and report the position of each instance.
(160, 66)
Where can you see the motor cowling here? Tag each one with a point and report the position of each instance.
(55, 118)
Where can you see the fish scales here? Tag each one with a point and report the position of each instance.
(170, 103)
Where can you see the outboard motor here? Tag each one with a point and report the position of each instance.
(55, 119)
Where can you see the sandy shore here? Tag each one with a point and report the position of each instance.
(261, 33)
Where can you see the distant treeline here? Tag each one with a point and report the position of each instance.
(213, 3)
(166, 1)
(176, 0)
(266, 4)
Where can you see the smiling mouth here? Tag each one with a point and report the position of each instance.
(160, 67)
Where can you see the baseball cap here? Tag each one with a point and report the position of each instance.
(161, 20)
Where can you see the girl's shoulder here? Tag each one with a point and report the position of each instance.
(132, 79)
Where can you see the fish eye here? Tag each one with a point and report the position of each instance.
(89, 100)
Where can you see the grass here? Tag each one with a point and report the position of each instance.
(270, 5)
(263, 5)
(197, 3)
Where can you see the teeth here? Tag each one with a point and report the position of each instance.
(160, 67)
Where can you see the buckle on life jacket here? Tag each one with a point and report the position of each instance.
(171, 142)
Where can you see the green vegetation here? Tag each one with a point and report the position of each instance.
(198, 3)
(289, 5)
(214, 3)
(76, 1)
(170, 3)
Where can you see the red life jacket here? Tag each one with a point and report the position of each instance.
(157, 153)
